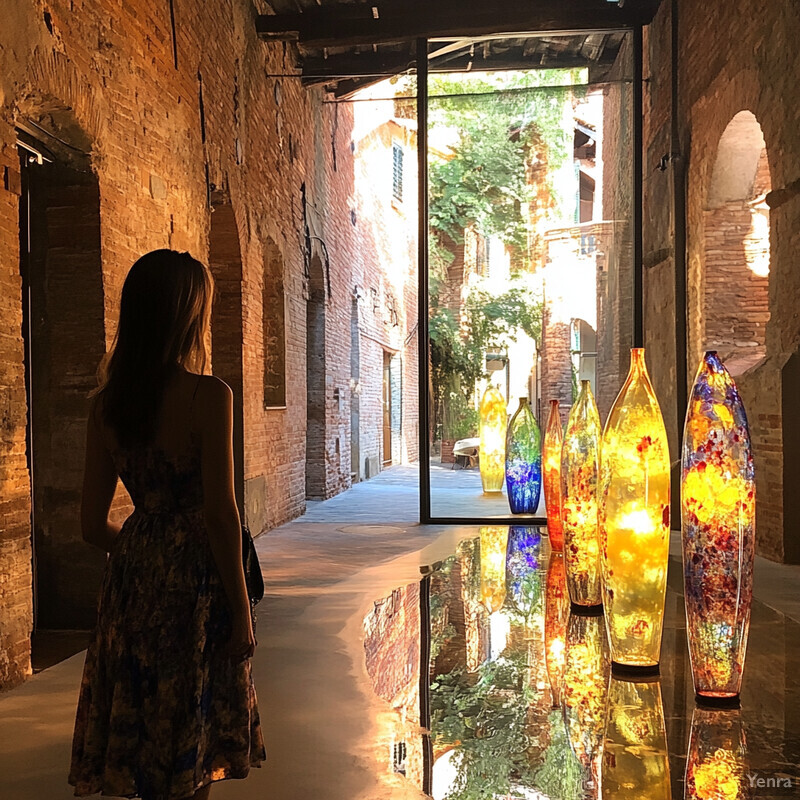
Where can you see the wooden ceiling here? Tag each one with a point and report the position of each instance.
(348, 45)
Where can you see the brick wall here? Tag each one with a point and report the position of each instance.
(733, 58)
(167, 126)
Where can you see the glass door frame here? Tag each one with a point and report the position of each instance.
(423, 288)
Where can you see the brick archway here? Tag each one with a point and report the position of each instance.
(735, 303)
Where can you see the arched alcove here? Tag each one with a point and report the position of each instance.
(64, 338)
(225, 262)
(316, 407)
(735, 302)
(274, 327)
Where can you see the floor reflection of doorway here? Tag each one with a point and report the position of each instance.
(387, 409)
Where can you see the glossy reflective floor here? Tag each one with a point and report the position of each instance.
(501, 692)
(359, 596)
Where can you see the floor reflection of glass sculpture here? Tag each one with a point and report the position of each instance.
(494, 541)
(556, 614)
(523, 465)
(586, 672)
(718, 511)
(579, 473)
(551, 468)
(635, 757)
(523, 579)
(493, 421)
(634, 520)
(716, 765)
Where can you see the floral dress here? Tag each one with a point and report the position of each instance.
(163, 710)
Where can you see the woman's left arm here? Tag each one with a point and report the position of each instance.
(99, 484)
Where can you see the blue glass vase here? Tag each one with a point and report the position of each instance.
(523, 460)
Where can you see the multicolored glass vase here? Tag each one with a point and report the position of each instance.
(634, 520)
(716, 764)
(493, 420)
(523, 460)
(523, 578)
(493, 544)
(580, 467)
(586, 672)
(551, 462)
(556, 614)
(718, 508)
(635, 756)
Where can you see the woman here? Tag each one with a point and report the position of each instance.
(167, 703)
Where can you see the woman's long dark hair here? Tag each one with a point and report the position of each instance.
(164, 320)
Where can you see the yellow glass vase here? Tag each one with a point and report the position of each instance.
(493, 422)
(634, 520)
(635, 756)
(580, 466)
(556, 614)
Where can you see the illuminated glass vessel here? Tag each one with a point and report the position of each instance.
(493, 419)
(718, 515)
(551, 462)
(635, 756)
(634, 520)
(580, 465)
(716, 765)
(523, 465)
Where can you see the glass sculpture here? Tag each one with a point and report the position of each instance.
(556, 614)
(493, 419)
(580, 464)
(523, 579)
(716, 765)
(551, 457)
(523, 460)
(635, 756)
(634, 520)
(586, 672)
(718, 514)
(494, 540)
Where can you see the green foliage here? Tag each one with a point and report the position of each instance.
(485, 715)
(498, 120)
(560, 774)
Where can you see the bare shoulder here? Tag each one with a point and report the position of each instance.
(213, 396)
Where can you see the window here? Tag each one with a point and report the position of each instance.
(397, 171)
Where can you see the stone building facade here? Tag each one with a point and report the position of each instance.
(134, 135)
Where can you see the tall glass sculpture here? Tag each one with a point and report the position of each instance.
(634, 520)
(580, 465)
(635, 756)
(551, 458)
(718, 506)
(493, 419)
(556, 614)
(716, 764)
(586, 672)
(523, 460)
(494, 541)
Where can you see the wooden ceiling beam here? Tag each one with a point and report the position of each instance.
(327, 70)
(352, 24)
